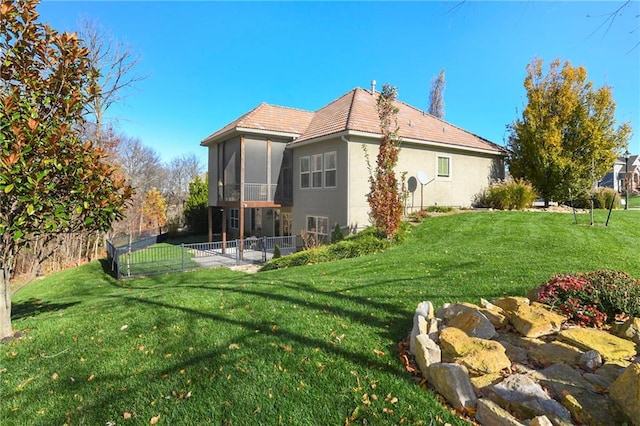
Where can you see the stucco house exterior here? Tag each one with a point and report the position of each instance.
(277, 171)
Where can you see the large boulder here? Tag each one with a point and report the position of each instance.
(527, 399)
(625, 392)
(630, 330)
(531, 320)
(452, 381)
(427, 353)
(609, 346)
(474, 323)
(490, 413)
(480, 356)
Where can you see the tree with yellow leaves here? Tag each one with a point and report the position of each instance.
(567, 138)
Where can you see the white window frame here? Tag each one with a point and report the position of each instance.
(316, 220)
(306, 172)
(334, 169)
(317, 171)
(450, 164)
(234, 218)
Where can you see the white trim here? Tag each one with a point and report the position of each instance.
(359, 133)
(450, 176)
(245, 130)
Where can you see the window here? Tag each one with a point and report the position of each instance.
(444, 167)
(304, 172)
(316, 171)
(330, 169)
(318, 225)
(234, 219)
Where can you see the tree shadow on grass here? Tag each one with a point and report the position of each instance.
(33, 307)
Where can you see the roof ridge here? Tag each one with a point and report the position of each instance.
(287, 107)
(240, 120)
(353, 98)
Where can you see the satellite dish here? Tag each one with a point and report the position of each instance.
(412, 184)
(422, 178)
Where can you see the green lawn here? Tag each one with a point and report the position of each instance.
(634, 201)
(303, 346)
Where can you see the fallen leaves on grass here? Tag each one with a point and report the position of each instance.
(126, 416)
(377, 352)
(154, 420)
(234, 346)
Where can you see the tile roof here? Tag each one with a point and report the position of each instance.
(355, 111)
(266, 117)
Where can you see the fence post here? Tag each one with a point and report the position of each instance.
(182, 246)
(264, 249)
(237, 251)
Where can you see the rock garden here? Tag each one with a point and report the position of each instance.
(515, 361)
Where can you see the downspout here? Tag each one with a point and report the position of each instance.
(348, 181)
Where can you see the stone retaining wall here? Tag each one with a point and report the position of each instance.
(513, 362)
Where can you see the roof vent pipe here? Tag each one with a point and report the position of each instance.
(373, 87)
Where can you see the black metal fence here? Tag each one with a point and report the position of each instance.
(138, 259)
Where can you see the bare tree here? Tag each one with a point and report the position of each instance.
(436, 96)
(116, 63)
(181, 170)
(144, 171)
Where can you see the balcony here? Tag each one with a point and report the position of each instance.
(254, 192)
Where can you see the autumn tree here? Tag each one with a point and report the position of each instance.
(181, 171)
(384, 198)
(154, 209)
(436, 96)
(567, 137)
(51, 182)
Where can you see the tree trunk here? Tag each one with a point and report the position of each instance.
(5, 304)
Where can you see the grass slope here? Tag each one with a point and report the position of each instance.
(307, 345)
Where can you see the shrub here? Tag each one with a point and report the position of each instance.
(507, 195)
(439, 209)
(363, 243)
(602, 199)
(276, 252)
(336, 235)
(592, 298)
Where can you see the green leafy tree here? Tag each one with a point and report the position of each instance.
(51, 182)
(384, 198)
(195, 209)
(436, 96)
(567, 138)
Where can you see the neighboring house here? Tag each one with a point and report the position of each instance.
(616, 177)
(278, 171)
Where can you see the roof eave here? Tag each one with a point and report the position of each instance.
(210, 140)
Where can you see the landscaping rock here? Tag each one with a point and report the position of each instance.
(567, 385)
(427, 352)
(480, 356)
(630, 330)
(494, 313)
(425, 309)
(452, 382)
(529, 374)
(474, 323)
(420, 326)
(490, 413)
(625, 392)
(531, 320)
(609, 346)
(590, 360)
(527, 399)
(551, 353)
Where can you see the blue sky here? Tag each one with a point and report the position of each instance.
(210, 62)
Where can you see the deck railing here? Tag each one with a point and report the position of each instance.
(252, 192)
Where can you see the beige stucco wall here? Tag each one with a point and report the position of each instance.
(326, 202)
(470, 173)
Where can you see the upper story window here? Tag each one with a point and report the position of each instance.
(330, 169)
(316, 171)
(444, 167)
(304, 172)
(319, 170)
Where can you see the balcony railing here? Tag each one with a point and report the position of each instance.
(252, 192)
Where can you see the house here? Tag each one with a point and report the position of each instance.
(277, 171)
(621, 167)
